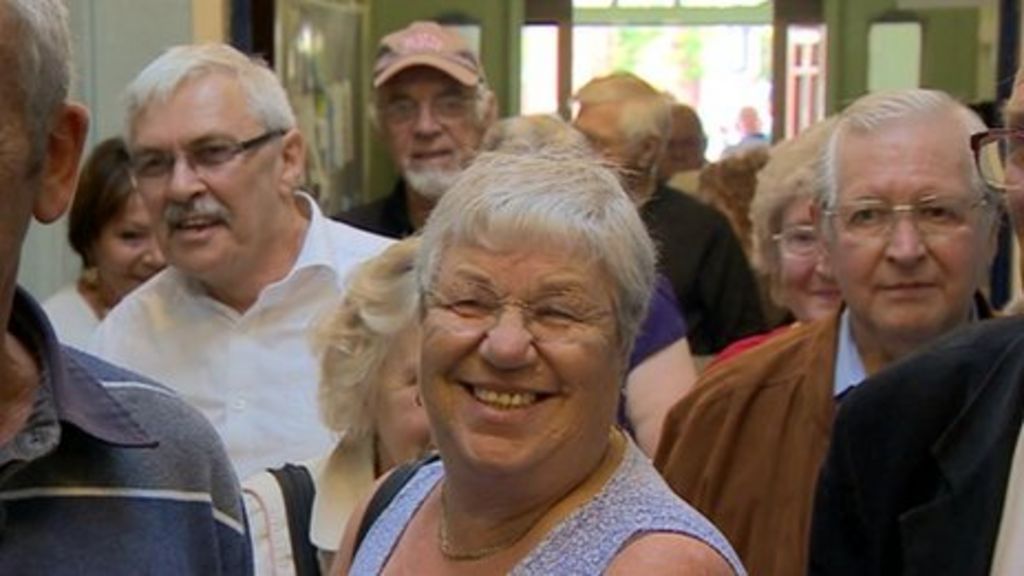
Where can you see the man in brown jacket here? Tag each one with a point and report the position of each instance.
(908, 230)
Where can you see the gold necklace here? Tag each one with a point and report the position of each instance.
(451, 552)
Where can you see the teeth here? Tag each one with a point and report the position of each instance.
(504, 400)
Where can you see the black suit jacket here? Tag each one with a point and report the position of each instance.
(702, 258)
(916, 473)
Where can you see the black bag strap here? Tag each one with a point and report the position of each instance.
(385, 493)
(298, 491)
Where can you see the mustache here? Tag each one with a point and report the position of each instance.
(205, 207)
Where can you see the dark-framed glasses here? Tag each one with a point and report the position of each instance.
(444, 108)
(999, 157)
(152, 168)
(873, 220)
(797, 241)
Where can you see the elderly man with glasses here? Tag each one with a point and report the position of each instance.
(431, 107)
(217, 160)
(909, 230)
(925, 474)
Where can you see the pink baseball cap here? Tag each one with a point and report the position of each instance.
(427, 44)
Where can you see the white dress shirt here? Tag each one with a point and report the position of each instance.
(1008, 557)
(253, 375)
(72, 317)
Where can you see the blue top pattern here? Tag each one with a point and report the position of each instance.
(635, 501)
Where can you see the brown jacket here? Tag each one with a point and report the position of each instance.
(744, 447)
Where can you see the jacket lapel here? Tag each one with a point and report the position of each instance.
(954, 532)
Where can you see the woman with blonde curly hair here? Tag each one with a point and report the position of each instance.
(368, 394)
(785, 247)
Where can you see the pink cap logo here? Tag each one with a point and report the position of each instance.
(422, 42)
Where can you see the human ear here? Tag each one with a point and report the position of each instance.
(64, 145)
(293, 157)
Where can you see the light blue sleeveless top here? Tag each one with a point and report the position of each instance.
(633, 502)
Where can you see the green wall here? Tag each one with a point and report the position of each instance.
(949, 48)
(499, 46)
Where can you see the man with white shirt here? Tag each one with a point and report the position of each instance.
(925, 474)
(217, 159)
(909, 230)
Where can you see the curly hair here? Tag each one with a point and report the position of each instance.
(380, 301)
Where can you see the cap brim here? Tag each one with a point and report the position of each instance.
(460, 73)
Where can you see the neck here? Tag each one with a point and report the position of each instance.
(478, 521)
(419, 207)
(878, 351)
(643, 188)
(93, 295)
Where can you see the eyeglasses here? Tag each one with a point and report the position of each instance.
(797, 241)
(444, 108)
(554, 318)
(999, 156)
(151, 169)
(934, 217)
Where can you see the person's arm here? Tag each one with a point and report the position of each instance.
(653, 387)
(662, 553)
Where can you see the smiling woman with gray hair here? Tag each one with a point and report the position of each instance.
(535, 271)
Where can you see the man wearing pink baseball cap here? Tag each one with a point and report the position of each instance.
(431, 106)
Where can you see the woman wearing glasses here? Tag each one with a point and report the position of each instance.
(786, 249)
(536, 271)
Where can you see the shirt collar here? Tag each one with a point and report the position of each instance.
(849, 370)
(78, 396)
(316, 246)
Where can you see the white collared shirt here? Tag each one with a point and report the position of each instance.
(849, 370)
(253, 375)
(1008, 557)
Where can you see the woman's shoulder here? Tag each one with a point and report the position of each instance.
(667, 553)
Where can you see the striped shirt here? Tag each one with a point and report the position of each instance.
(113, 474)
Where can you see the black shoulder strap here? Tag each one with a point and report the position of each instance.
(298, 491)
(385, 493)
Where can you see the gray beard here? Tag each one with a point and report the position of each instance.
(431, 183)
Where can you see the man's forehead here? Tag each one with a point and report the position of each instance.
(217, 98)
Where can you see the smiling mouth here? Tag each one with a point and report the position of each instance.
(196, 223)
(504, 400)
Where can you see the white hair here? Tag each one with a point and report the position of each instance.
(158, 81)
(880, 111)
(556, 198)
(645, 112)
(41, 47)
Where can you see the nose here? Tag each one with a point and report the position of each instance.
(906, 245)
(508, 345)
(183, 182)
(153, 257)
(426, 122)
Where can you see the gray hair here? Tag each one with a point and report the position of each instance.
(380, 302)
(878, 111)
(645, 112)
(158, 81)
(41, 47)
(791, 175)
(533, 133)
(554, 198)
